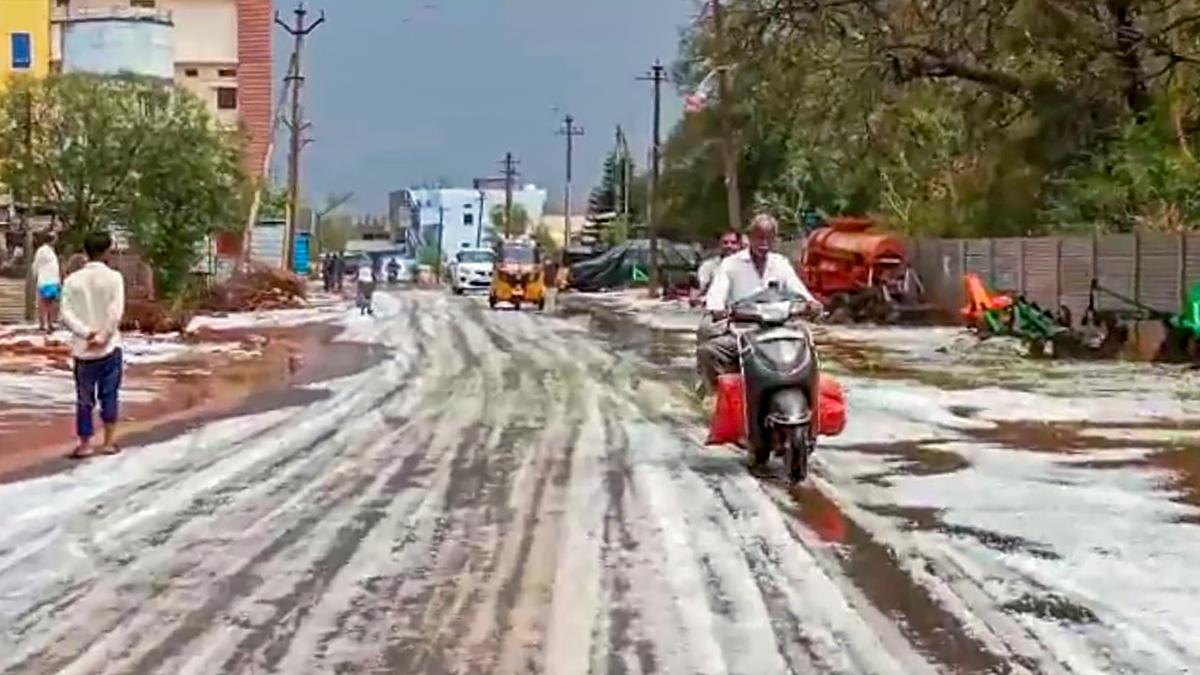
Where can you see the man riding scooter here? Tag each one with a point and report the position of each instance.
(751, 331)
(740, 276)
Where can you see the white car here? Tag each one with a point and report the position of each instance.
(471, 269)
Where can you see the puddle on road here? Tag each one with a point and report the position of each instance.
(873, 568)
(200, 391)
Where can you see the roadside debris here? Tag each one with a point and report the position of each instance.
(262, 288)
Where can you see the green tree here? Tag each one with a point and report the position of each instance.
(124, 151)
(520, 224)
(73, 143)
(953, 117)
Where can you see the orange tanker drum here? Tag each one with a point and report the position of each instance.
(849, 266)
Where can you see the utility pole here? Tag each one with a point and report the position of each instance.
(510, 175)
(26, 211)
(570, 130)
(437, 274)
(621, 180)
(729, 154)
(296, 79)
(479, 223)
(658, 76)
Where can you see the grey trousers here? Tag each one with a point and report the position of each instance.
(716, 351)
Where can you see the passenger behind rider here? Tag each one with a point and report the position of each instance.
(731, 243)
(740, 276)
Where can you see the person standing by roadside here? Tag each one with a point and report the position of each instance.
(92, 308)
(48, 278)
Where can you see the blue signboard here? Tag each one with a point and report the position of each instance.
(300, 255)
(22, 51)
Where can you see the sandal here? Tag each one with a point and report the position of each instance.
(82, 453)
(111, 450)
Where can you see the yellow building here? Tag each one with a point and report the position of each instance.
(24, 38)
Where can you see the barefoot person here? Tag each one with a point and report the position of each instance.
(49, 281)
(92, 306)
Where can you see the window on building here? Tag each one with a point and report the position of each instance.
(191, 72)
(22, 51)
(468, 219)
(227, 72)
(227, 98)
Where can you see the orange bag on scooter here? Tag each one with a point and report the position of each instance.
(729, 416)
(831, 415)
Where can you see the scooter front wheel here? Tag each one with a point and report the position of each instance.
(797, 452)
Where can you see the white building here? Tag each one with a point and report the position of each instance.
(465, 213)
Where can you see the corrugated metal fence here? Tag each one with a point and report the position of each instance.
(1156, 269)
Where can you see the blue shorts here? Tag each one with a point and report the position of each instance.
(49, 291)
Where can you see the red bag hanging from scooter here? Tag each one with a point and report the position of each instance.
(729, 417)
(831, 410)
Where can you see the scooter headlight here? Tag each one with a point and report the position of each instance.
(775, 311)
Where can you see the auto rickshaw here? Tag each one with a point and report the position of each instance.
(518, 276)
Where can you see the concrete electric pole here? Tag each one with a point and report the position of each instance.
(295, 124)
(570, 130)
(510, 176)
(658, 76)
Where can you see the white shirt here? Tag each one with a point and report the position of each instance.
(708, 269)
(45, 266)
(738, 278)
(366, 274)
(93, 301)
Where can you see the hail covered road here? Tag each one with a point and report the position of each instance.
(503, 493)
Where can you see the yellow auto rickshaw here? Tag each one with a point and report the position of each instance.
(517, 278)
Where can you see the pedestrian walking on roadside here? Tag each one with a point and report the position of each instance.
(339, 272)
(48, 278)
(327, 272)
(366, 288)
(92, 308)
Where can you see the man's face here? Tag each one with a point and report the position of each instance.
(730, 244)
(762, 240)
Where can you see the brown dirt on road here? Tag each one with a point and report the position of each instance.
(192, 392)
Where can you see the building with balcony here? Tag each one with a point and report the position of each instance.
(24, 39)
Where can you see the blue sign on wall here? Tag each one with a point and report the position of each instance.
(22, 51)
(300, 257)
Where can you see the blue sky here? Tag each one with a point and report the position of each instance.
(401, 91)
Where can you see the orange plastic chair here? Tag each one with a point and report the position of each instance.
(980, 300)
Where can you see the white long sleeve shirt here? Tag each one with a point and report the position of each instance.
(708, 270)
(93, 301)
(45, 266)
(737, 278)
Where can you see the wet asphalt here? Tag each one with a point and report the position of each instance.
(498, 492)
